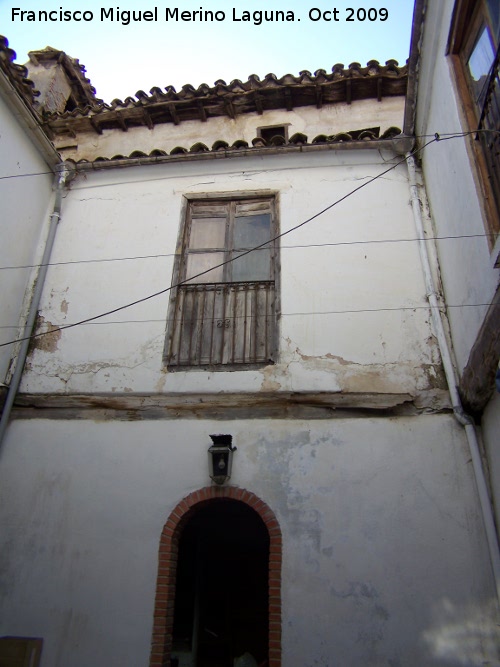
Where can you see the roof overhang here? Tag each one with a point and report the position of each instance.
(413, 67)
(342, 85)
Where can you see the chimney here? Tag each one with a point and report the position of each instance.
(60, 80)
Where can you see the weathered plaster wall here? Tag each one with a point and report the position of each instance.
(327, 272)
(455, 200)
(330, 119)
(384, 560)
(25, 205)
(466, 265)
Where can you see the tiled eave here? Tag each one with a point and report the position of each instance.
(83, 91)
(19, 93)
(16, 74)
(254, 96)
(392, 139)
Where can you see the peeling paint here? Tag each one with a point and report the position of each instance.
(49, 341)
(332, 357)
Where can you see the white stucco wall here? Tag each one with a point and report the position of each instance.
(384, 560)
(327, 271)
(330, 119)
(25, 204)
(466, 265)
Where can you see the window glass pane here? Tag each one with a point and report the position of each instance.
(479, 64)
(208, 233)
(251, 230)
(254, 266)
(201, 261)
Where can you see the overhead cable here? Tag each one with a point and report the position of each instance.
(282, 247)
(436, 138)
(441, 135)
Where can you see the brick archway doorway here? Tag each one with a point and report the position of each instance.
(218, 590)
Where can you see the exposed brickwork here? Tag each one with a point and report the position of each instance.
(161, 643)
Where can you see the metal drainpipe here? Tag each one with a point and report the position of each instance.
(35, 301)
(451, 378)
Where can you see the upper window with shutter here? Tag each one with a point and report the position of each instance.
(223, 310)
(474, 46)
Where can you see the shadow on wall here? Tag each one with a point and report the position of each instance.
(465, 634)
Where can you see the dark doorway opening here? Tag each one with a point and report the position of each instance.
(221, 600)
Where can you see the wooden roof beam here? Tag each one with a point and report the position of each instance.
(229, 108)
(173, 113)
(380, 83)
(201, 111)
(95, 125)
(319, 97)
(147, 119)
(258, 103)
(65, 130)
(122, 122)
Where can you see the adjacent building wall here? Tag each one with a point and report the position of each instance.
(25, 210)
(467, 264)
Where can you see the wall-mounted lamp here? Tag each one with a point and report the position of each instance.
(220, 458)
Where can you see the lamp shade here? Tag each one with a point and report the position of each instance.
(220, 458)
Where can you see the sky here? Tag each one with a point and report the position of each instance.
(122, 59)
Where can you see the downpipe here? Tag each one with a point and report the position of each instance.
(451, 379)
(62, 178)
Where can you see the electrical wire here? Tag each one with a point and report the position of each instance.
(38, 173)
(282, 247)
(445, 135)
(297, 314)
(221, 264)
(442, 135)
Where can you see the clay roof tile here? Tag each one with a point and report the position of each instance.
(17, 74)
(238, 97)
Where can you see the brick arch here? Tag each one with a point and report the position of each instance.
(163, 619)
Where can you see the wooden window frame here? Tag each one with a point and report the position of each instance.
(179, 275)
(469, 17)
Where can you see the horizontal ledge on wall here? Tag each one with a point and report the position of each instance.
(304, 405)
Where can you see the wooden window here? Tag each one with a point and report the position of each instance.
(223, 314)
(474, 48)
